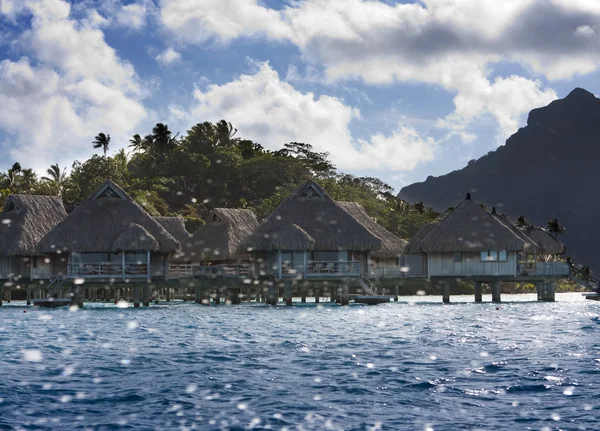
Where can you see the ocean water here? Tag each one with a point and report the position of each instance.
(415, 364)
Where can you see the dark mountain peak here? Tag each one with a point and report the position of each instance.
(547, 169)
(579, 94)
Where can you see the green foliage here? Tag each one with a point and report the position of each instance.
(210, 166)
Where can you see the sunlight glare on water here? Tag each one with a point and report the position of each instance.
(416, 364)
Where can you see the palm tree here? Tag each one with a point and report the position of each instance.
(555, 227)
(56, 177)
(10, 178)
(523, 222)
(137, 143)
(225, 134)
(162, 139)
(102, 141)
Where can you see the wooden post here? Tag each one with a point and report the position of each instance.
(288, 292)
(156, 295)
(396, 291)
(332, 292)
(539, 289)
(136, 295)
(148, 265)
(303, 293)
(9, 295)
(478, 292)
(446, 292)
(198, 295)
(235, 296)
(248, 294)
(217, 297)
(116, 295)
(28, 295)
(123, 265)
(317, 294)
(279, 271)
(168, 294)
(273, 295)
(345, 296)
(146, 295)
(496, 290)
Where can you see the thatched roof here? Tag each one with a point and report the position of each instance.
(391, 245)
(135, 237)
(469, 227)
(176, 227)
(530, 244)
(324, 220)
(546, 242)
(25, 220)
(96, 223)
(221, 236)
(413, 244)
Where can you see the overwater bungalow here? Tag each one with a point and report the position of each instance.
(312, 237)
(212, 250)
(24, 221)
(472, 242)
(109, 237)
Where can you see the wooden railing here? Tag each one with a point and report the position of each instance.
(552, 269)
(100, 270)
(321, 269)
(189, 270)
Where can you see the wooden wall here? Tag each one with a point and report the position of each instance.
(443, 264)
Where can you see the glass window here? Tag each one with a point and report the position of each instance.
(502, 256)
(493, 255)
(484, 256)
(489, 256)
(457, 256)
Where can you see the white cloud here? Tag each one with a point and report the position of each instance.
(451, 43)
(72, 87)
(202, 20)
(272, 112)
(168, 56)
(134, 15)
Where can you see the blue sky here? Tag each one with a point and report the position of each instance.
(395, 90)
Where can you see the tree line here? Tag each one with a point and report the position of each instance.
(211, 166)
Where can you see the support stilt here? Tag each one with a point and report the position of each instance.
(217, 296)
(496, 290)
(28, 295)
(446, 292)
(136, 295)
(317, 295)
(478, 292)
(288, 292)
(303, 293)
(146, 295)
(345, 295)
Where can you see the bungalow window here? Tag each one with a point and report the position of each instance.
(493, 256)
(457, 257)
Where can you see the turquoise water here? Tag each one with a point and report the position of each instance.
(416, 364)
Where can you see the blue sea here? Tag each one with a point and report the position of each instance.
(411, 365)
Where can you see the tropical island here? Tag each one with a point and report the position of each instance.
(209, 169)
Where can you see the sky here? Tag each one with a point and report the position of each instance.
(395, 90)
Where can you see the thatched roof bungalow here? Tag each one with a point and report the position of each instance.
(472, 241)
(110, 234)
(311, 233)
(219, 239)
(24, 222)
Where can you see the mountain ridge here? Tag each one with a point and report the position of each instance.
(546, 169)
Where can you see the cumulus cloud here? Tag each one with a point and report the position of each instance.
(451, 43)
(70, 87)
(134, 15)
(272, 112)
(168, 56)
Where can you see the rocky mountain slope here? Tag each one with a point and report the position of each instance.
(550, 168)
